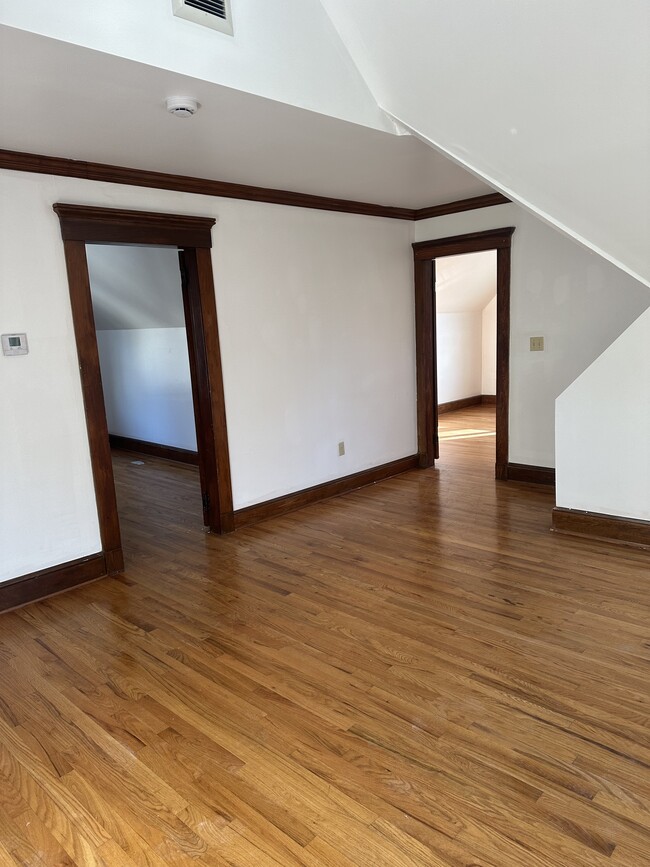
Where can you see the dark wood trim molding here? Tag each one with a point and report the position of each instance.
(46, 165)
(205, 367)
(317, 493)
(425, 362)
(40, 164)
(142, 447)
(607, 528)
(527, 473)
(424, 253)
(455, 245)
(472, 204)
(87, 223)
(80, 224)
(47, 582)
(93, 397)
(461, 403)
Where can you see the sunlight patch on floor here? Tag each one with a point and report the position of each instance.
(465, 434)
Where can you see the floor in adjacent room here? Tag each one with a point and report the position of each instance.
(418, 673)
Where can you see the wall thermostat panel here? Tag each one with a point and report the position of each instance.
(14, 344)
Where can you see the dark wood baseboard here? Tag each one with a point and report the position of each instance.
(527, 473)
(48, 582)
(452, 405)
(169, 453)
(607, 528)
(476, 400)
(114, 561)
(298, 499)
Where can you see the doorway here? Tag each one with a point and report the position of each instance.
(465, 289)
(425, 255)
(139, 317)
(191, 236)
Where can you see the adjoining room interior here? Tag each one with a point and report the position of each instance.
(466, 348)
(142, 341)
(139, 315)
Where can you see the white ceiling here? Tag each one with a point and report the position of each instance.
(466, 283)
(64, 100)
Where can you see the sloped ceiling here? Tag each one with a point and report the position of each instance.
(548, 101)
(135, 287)
(64, 100)
(465, 284)
(289, 52)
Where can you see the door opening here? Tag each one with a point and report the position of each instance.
(465, 295)
(426, 255)
(148, 385)
(191, 235)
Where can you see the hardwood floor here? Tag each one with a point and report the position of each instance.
(417, 673)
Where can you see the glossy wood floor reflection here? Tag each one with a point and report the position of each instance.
(418, 673)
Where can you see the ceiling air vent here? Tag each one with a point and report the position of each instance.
(209, 13)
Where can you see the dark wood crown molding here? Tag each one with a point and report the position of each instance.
(181, 183)
(471, 204)
(47, 165)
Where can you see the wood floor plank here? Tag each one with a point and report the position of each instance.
(417, 674)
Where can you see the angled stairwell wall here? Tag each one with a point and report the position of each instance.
(548, 102)
(603, 431)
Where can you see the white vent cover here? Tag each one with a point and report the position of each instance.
(210, 13)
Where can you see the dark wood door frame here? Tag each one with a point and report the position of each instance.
(81, 224)
(425, 252)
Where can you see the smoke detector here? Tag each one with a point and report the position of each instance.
(181, 106)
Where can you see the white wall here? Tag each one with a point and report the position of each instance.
(317, 334)
(489, 348)
(547, 101)
(603, 431)
(290, 53)
(578, 301)
(464, 285)
(459, 355)
(147, 387)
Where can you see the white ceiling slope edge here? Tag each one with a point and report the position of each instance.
(548, 102)
(288, 52)
(466, 283)
(87, 105)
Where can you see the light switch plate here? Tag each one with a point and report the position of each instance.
(537, 344)
(14, 344)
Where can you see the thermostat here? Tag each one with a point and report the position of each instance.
(14, 344)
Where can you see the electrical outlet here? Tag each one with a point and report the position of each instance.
(341, 449)
(537, 344)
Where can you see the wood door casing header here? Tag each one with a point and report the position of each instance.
(112, 225)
